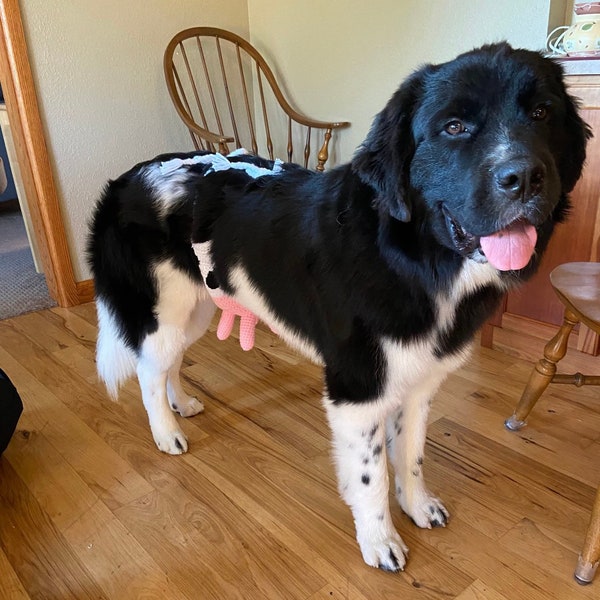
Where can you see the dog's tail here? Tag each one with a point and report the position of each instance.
(143, 219)
(123, 232)
(115, 361)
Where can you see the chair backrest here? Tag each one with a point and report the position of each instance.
(228, 98)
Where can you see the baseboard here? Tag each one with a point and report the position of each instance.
(85, 291)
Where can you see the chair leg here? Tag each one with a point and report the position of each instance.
(543, 372)
(590, 555)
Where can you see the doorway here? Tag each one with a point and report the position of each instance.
(32, 157)
(23, 287)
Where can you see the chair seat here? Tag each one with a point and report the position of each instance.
(579, 283)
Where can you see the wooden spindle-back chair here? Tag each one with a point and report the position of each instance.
(228, 98)
(577, 286)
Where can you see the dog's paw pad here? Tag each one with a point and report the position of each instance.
(189, 407)
(388, 554)
(438, 515)
(428, 513)
(173, 442)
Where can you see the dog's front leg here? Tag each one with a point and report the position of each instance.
(360, 458)
(406, 431)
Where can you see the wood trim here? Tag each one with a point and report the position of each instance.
(85, 291)
(32, 153)
(487, 331)
(586, 88)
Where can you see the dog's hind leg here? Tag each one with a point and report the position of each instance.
(360, 457)
(179, 401)
(183, 312)
(406, 431)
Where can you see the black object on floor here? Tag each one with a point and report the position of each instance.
(11, 408)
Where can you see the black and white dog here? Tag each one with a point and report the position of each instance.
(381, 269)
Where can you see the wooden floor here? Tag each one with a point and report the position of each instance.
(89, 508)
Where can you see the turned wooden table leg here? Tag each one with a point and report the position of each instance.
(543, 372)
(590, 555)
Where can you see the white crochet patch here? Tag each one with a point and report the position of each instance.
(203, 254)
(218, 162)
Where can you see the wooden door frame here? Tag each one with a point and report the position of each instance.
(34, 162)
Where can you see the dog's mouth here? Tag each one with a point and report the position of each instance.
(508, 249)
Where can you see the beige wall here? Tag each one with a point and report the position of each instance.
(98, 70)
(342, 59)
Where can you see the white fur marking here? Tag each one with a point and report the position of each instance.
(472, 276)
(115, 362)
(166, 190)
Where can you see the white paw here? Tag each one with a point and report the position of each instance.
(188, 406)
(388, 554)
(171, 442)
(426, 512)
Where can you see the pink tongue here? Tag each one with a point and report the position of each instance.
(511, 248)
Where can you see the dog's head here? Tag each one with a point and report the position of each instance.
(484, 148)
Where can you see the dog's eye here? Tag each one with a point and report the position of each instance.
(539, 113)
(455, 127)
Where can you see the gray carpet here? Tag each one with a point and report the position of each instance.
(21, 288)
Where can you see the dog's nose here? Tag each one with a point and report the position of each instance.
(520, 178)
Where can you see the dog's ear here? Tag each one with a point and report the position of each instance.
(578, 132)
(383, 159)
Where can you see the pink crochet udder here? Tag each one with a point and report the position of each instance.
(232, 309)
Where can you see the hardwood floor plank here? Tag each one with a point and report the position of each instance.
(86, 311)
(178, 528)
(11, 588)
(508, 573)
(46, 336)
(64, 495)
(300, 421)
(481, 412)
(577, 409)
(115, 559)
(329, 592)
(79, 323)
(530, 348)
(81, 451)
(40, 556)
(517, 485)
(530, 538)
(479, 591)
(117, 423)
(329, 550)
